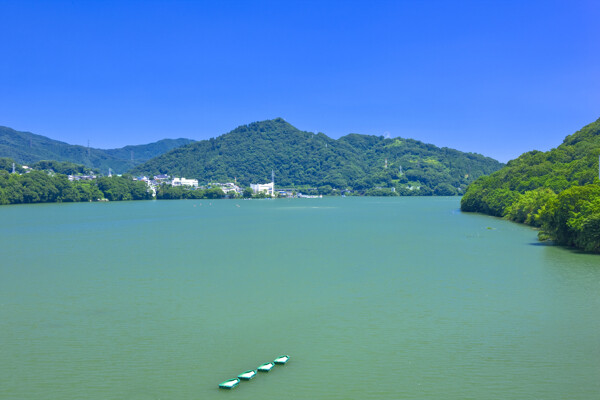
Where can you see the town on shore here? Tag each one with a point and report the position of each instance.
(229, 189)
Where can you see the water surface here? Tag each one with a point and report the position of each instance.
(373, 298)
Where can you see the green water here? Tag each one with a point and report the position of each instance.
(402, 298)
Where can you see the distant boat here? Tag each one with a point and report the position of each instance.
(247, 375)
(281, 359)
(266, 367)
(229, 384)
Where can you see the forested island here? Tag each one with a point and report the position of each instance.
(557, 191)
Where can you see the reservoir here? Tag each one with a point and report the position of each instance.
(373, 298)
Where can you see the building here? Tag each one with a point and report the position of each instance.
(267, 188)
(227, 187)
(81, 177)
(184, 182)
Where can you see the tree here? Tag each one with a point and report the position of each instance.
(6, 164)
(444, 189)
(325, 190)
(247, 193)
(214, 193)
(573, 217)
(527, 207)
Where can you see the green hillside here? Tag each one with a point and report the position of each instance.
(48, 182)
(358, 162)
(557, 190)
(40, 186)
(144, 152)
(28, 148)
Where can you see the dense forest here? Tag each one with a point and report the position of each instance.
(28, 148)
(47, 182)
(45, 185)
(313, 163)
(557, 191)
(361, 163)
(168, 192)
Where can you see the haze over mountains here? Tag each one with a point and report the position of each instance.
(28, 148)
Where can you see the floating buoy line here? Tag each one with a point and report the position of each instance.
(251, 373)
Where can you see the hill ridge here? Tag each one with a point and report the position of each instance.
(27, 147)
(557, 190)
(249, 152)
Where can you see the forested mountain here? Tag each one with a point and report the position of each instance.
(144, 152)
(557, 190)
(359, 162)
(28, 148)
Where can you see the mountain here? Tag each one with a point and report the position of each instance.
(144, 152)
(557, 190)
(28, 148)
(303, 159)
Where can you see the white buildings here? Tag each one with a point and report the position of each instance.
(267, 188)
(81, 177)
(184, 182)
(161, 178)
(226, 187)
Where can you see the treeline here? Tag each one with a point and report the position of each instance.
(168, 192)
(59, 167)
(44, 186)
(64, 167)
(557, 191)
(360, 163)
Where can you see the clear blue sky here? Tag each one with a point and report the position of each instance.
(494, 77)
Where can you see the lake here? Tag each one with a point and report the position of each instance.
(373, 298)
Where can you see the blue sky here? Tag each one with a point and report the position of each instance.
(493, 77)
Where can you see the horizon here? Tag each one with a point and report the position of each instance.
(351, 133)
(494, 78)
